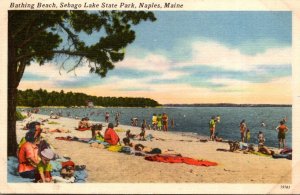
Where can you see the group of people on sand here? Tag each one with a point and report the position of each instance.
(34, 155)
(160, 122)
(111, 138)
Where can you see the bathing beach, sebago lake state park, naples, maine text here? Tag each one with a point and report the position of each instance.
(96, 5)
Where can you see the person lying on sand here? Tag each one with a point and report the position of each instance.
(147, 150)
(56, 130)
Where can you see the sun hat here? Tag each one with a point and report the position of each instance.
(48, 153)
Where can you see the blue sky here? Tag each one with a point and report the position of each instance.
(218, 54)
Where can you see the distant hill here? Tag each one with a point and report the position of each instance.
(227, 105)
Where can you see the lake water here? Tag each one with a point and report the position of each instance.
(195, 120)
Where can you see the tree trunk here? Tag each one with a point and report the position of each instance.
(12, 96)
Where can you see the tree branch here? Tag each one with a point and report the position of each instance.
(71, 35)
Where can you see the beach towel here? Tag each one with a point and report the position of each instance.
(260, 154)
(115, 148)
(84, 140)
(98, 141)
(180, 159)
(286, 151)
(127, 150)
(287, 156)
(149, 137)
(12, 172)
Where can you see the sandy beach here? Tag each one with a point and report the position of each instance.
(104, 166)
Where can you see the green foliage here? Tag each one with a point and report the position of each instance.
(36, 98)
(43, 35)
(19, 116)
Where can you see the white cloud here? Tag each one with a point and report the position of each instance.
(51, 71)
(217, 55)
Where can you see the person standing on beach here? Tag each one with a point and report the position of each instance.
(165, 121)
(212, 128)
(243, 128)
(159, 122)
(117, 117)
(172, 123)
(282, 129)
(106, 117)
(154, 122)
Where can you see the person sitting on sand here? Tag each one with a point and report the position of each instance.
(282, 129)
(96, 132)
(261, 144)
(84, 123)
(217, 139)
(110, 136)
(130, 135)
(28, 156)
(44, 168)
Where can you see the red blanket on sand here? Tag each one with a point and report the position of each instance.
(83, 129)
(180, 159)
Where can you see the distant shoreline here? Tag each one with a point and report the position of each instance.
(176, 105)
(227, 105)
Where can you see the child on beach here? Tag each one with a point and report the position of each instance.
(96, 132)
(282, 129)
(130, 135)
(44, 168)
(248, 135)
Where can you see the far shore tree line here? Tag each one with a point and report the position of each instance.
(37, 98)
